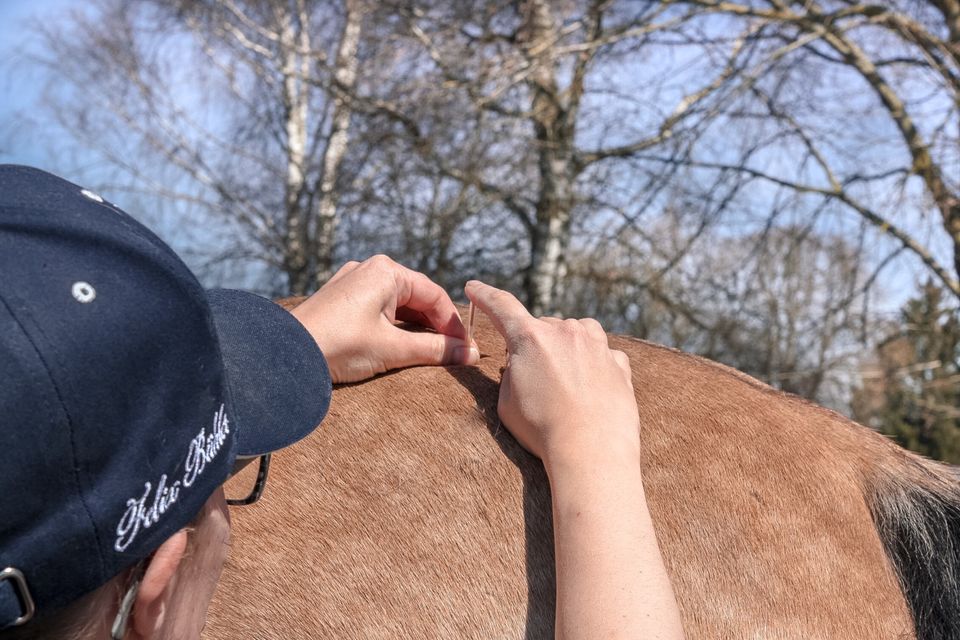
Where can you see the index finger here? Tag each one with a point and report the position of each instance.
(506, 312)
(417, 292)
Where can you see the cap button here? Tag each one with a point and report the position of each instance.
(83, 292)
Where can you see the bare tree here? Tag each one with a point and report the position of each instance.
(345, 78)
(814, 80)
(235, 109)
(786, 305)
(735, 178)
(519, 76)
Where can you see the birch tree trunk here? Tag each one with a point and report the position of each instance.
(294, 41)
(345, 78)
(553, 131)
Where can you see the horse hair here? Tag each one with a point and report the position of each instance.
(919, 524)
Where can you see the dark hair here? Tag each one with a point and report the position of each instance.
(919, 525)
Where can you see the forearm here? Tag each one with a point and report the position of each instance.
(611, 581)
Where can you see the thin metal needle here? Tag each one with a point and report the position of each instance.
(471, 315)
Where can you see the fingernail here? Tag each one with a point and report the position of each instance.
(466, 355)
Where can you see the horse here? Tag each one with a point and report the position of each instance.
(412, 513)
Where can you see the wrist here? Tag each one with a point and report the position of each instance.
(303, 314)
(585, 486)
(593, 451)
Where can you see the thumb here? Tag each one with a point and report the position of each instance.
(410, 348)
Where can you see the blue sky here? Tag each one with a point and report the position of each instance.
(19, 90)
(35, 142)
(28, 136)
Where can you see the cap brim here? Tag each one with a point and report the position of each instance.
(280, 385)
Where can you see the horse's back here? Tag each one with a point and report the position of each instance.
(412, 513)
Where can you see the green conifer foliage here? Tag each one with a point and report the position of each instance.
(914, 396)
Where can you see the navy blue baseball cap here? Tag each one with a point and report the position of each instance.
(127, 391)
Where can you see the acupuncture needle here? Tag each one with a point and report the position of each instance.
(471, 316)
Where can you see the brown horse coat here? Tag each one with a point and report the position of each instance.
(411, 513)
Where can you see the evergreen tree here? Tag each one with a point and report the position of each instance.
(916, 397)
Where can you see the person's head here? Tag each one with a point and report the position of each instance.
(127, 395)
(168, 592)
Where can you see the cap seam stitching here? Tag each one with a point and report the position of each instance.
(66, 413)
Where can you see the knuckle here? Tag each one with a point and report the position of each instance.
(568, 335)
(592, 325)
(594, 330)
(380, 260)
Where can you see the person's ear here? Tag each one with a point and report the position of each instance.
(150, 605)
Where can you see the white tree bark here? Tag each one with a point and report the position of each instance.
(294, 42)
(554, 130)
(345, 78)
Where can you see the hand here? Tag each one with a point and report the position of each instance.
(568, 398)
(352, 318)
(564, 391)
